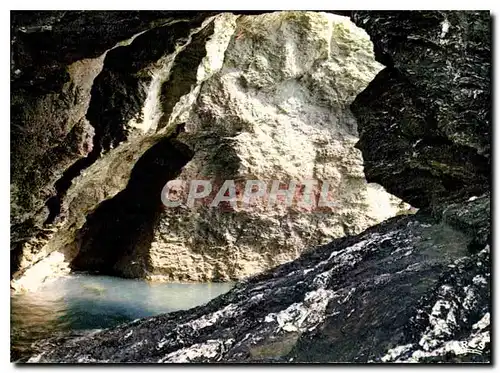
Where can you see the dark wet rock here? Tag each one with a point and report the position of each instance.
(425, 120)
(45, 42)
(414, 288)
(409, 289)
(87, 89)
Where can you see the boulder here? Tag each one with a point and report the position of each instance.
(274, 106)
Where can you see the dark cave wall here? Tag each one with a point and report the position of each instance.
(425, 120)
(117, 96)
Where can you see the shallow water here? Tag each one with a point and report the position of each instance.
(82, 301)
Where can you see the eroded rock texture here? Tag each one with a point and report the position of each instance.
(277, 108)
(76, 79)
(412, 289)
(244, 93)
(425, 120)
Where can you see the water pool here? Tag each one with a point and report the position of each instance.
(83, 301)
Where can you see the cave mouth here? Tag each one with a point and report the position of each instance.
(116, 237)
(119, 237)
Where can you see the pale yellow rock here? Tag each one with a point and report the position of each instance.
(50, 268)
(277, 109)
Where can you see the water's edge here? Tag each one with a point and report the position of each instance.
(84, 302)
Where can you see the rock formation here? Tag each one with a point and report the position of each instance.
(427, 116)
(72, 97)
(414, 288)
(276, 108)
(243, 93)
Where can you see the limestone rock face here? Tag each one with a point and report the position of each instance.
(251, 97)
(275, 108)
(425, 120)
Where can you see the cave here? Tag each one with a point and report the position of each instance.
(390, 109)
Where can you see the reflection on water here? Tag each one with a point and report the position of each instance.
(84, 301)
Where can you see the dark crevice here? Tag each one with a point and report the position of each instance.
(62, 185)
(184, 71)
(16, 250)
(116, 238)
(117, 96)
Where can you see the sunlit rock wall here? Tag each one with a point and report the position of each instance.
(277, 108)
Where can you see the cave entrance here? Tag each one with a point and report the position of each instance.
(117, 236)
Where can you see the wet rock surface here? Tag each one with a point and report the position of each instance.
(425, 120)
(242, 93)
(410, 289)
